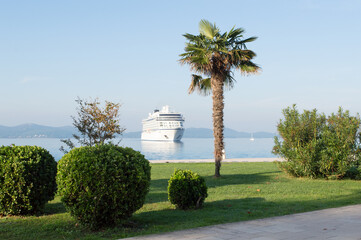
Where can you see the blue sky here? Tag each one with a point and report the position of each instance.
(51, 52)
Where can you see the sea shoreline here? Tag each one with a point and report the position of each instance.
(274, 159)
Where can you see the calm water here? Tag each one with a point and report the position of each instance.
(189, 148)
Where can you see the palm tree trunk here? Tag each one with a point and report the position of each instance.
(218, 126)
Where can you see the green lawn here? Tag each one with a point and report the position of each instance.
(245, 191)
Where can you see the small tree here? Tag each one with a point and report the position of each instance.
(96, 125)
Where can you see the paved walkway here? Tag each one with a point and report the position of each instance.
(336, 223)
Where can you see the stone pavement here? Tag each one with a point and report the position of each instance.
(342, 223)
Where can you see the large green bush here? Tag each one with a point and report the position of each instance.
(27, 179)
(103, 184)
(186, 189)
(316, 146)
(341, 149)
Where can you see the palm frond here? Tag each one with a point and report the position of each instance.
(208, 29)
(248, 67)
(235, 33)
(201, 85)
(251, 39)
(212, 52)
(189, 36)
(239, 55)
(242, 43)
(229, 81)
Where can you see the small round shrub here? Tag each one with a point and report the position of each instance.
(103, 184)
(186, 189)
(27, 179)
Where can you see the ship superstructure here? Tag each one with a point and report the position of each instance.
(163, 125)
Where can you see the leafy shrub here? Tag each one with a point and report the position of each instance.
(95, 124)
(316, 146)
(341, 144)
(103, 184)
(354, 173)
(300, 146)
(27, 179)
(186, 189)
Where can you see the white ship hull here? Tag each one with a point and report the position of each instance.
(163, 125)
(163, 134)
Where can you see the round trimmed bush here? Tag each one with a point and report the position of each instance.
(186, 189)
(103, 184)
(27, 179)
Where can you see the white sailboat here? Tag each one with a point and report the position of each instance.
(252, 138)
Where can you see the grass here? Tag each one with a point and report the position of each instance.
(246, 191)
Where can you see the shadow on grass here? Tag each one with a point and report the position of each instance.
(54, 208)
(166, 219)
(156, 197)
(159, 193)
(234, 210)
(237, 179)
(210, 213)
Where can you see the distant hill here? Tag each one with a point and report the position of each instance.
(208, 133)
(228, 133)
(34, 130)
(132, 134)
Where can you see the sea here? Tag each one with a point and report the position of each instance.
(188, 148)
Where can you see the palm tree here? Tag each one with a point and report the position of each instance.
(215, 55)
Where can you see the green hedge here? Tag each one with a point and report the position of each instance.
(314, 145)
(187, 189)
(103, 184)
(27, 179)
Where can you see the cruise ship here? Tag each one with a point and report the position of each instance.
(163, 125)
